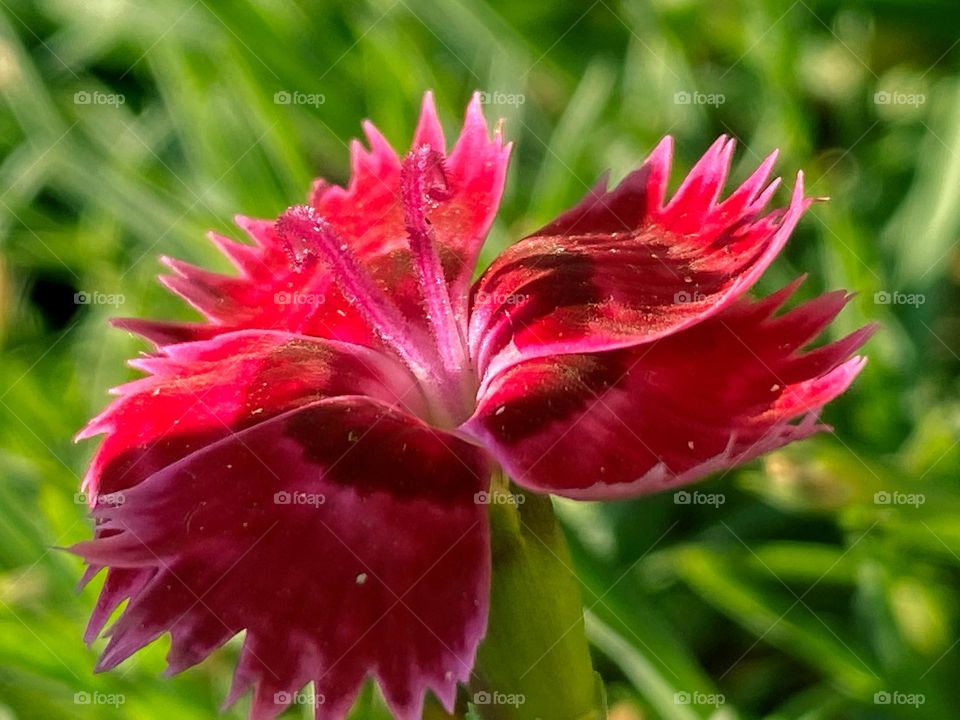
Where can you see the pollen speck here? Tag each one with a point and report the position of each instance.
(361, 578)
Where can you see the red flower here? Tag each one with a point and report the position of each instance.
(305, 465)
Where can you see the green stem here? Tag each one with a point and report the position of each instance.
(534, 662)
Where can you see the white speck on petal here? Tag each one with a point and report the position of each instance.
(361, 578)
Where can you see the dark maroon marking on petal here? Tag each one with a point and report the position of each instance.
(623, 269)
(199, 392)
(388, 577)
(366, 468)
(667, 413)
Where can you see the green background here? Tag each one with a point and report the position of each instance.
(800, 596)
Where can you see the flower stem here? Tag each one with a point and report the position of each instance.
(534, 662)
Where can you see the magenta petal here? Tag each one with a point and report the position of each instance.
(669, 412)
(429, 131)
(199, 392)
(275, 288)
(368, 214)
(343, 537)
(622, 268)
(476, 171)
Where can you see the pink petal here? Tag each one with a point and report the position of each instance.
(623, 268)
(276, 289)
(429, 131)
(669, 412)
(270, 292)
(343, 537)
(199, 392)
(368, 214)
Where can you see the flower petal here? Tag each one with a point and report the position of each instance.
(199, 392)
(368, 214)
(342, 536)
(277, 288)
(667, 413)
(623, 268)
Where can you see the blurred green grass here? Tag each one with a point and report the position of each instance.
(800, 596)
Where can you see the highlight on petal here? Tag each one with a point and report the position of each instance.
(625, 267)
(342, 536)
(666, 413)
